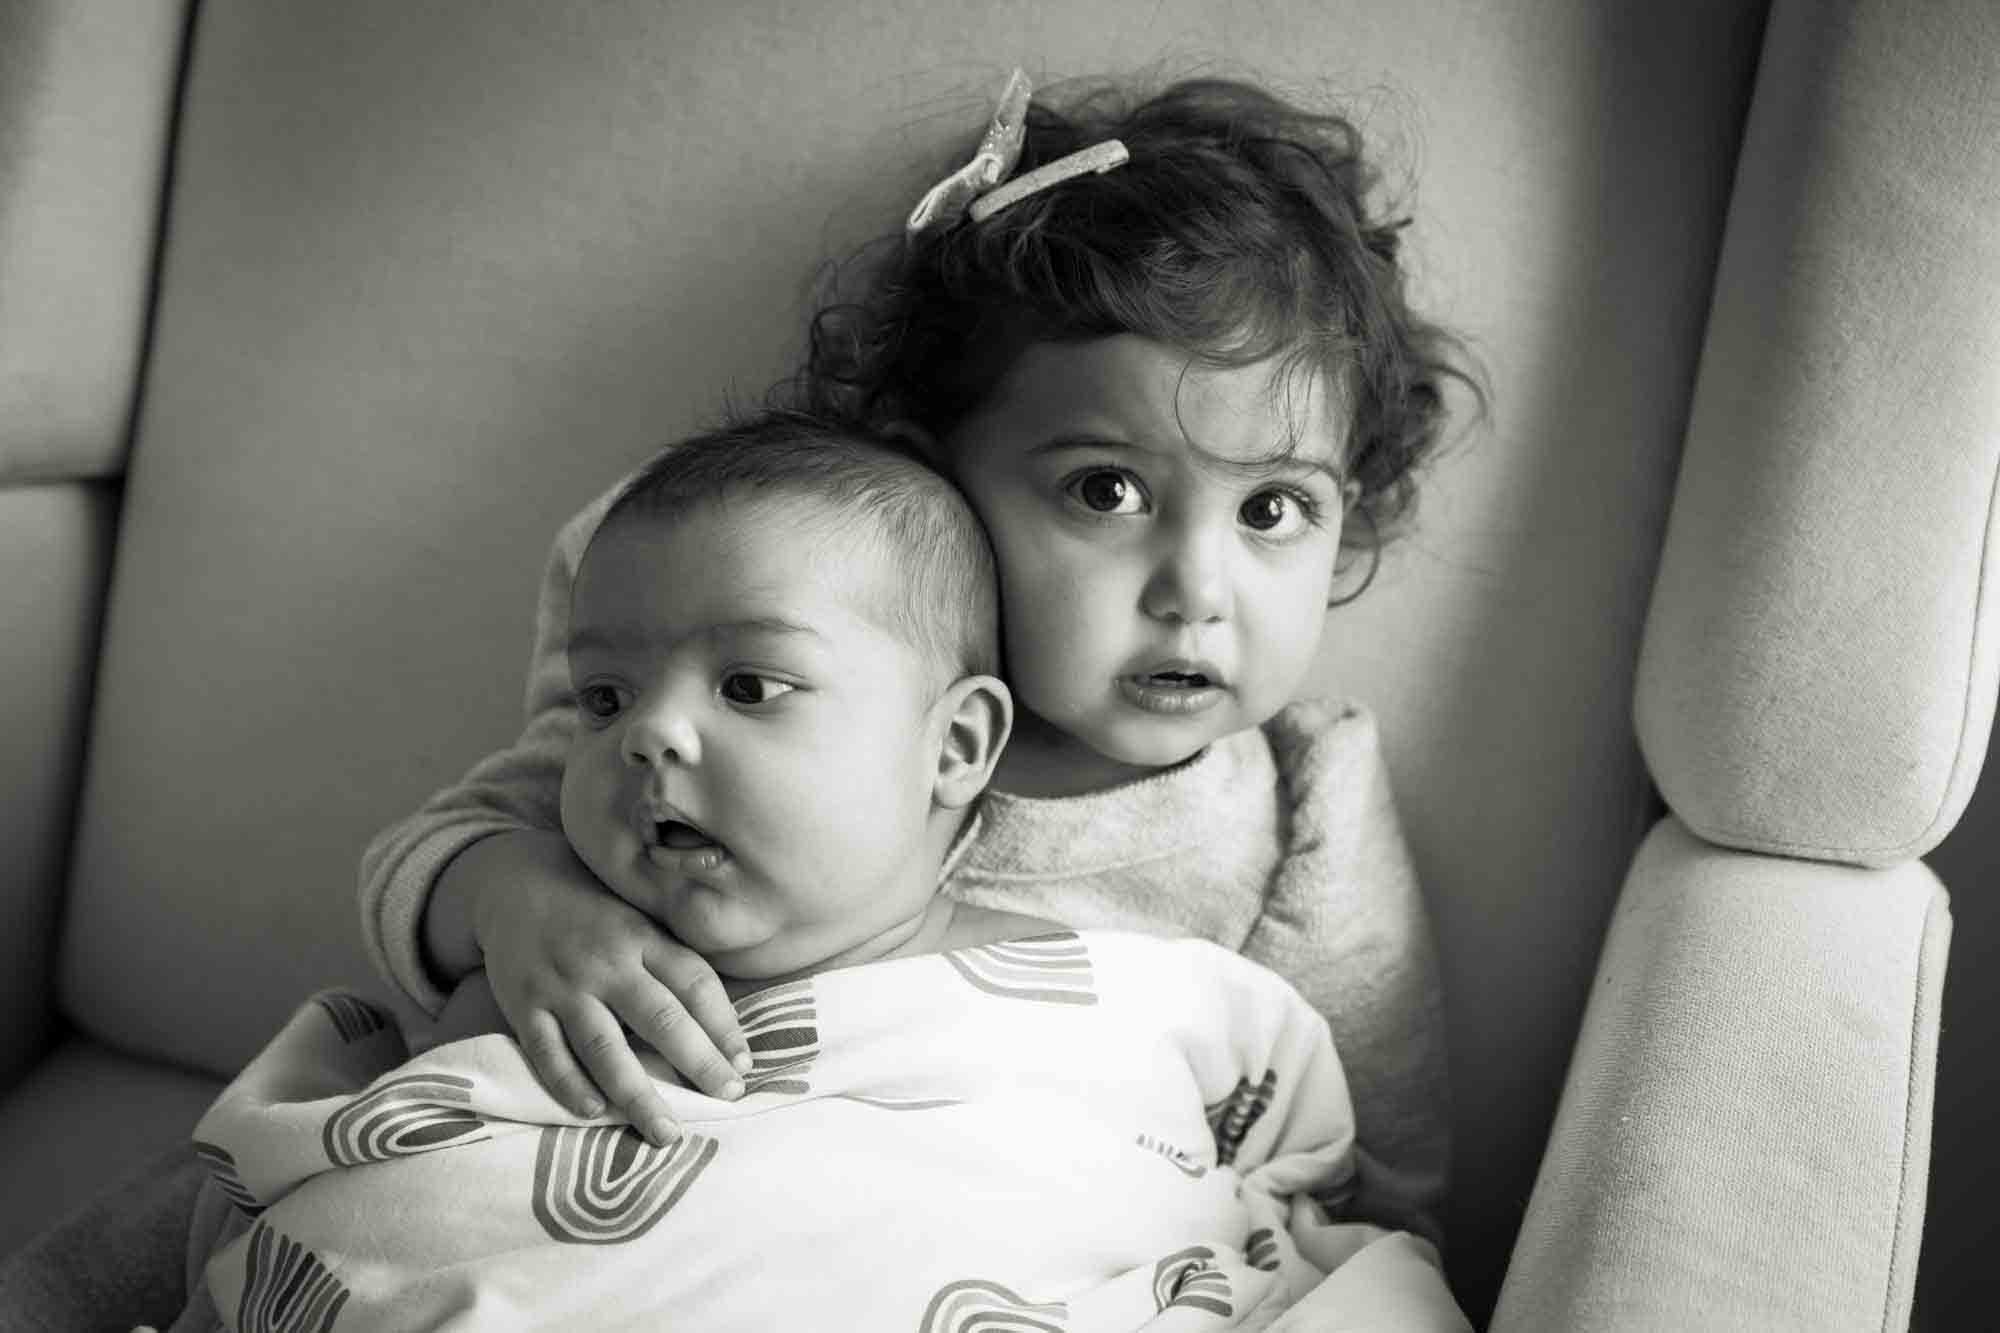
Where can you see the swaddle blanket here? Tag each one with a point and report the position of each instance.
(1071, 1132)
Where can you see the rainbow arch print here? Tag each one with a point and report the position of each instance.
(401, 1118)
(605, 1185)
(1045, 969)
(286, 1289)
(1231, 1119)
(780, 1025)
(221, 1168)
(976, 1306)
(352, 1017)
(1189, 1278)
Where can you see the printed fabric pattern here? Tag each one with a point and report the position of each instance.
(1080, 1131)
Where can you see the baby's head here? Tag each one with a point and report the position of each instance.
(783, 645)
(1164, 387)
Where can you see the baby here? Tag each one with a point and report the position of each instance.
(783, 642)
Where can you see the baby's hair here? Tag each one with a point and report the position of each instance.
(942, 600)
(1240, 230)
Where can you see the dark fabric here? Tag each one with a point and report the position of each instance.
(118, 1261)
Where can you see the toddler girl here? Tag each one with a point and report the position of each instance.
(1176, 387)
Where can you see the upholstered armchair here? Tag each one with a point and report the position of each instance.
(317, 320)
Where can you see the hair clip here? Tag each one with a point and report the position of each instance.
(1098, 159)
(993, 161)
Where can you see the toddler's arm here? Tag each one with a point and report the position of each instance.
(1345, 923)
(481, 875)
(1292, 1147)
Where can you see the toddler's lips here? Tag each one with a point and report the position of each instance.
(1173, 689)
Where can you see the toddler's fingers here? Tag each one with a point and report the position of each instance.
(606, 1052)
(690, 1019)
(541, 1039)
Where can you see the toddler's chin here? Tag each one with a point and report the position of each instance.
(1152, 747)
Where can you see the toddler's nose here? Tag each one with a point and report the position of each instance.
(1190, 583)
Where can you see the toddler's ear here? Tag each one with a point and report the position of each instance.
(975, 715)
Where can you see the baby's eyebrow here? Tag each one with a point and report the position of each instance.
(763, 625)
(593, 639)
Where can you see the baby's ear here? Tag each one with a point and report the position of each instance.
(975, 714)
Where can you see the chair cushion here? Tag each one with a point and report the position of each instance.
(1823, 654)
(82, 1119)
(83, 150)
(48, 634)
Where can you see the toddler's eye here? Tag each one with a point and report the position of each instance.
(1104, 491)
(598, 701)
(744, 687)
(1274, 513)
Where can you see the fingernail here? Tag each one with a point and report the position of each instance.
(663, 1132)
(744, 1062)
(732, 1089)
(591, 1106)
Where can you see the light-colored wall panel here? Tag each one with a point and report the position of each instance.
(86, 95)
(55, 550)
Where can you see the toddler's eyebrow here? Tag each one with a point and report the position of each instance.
(1293, 463)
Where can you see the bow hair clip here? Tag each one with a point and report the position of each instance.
(977, 187)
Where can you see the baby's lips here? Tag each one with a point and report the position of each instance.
(688, 859)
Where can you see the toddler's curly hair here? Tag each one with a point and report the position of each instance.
(1240, 230)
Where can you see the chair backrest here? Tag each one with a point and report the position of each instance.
(434, 275)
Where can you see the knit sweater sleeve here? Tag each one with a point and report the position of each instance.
(519, 787)
(1344, 921)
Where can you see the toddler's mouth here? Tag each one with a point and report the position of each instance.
(1177, 673)
(1175, 679)
(1178, 687)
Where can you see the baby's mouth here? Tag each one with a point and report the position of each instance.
(679, 844)
(680, 836)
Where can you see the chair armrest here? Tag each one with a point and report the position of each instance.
(1744, 1135)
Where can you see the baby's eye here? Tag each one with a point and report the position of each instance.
(598, 701)
(1107, 491)
(744, 687)
(1276, 513)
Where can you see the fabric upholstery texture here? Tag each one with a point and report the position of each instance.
(86, 1116)
(1776, 1021)
(55, 552)
(1823, 652)
(436, 274)
(86, 96)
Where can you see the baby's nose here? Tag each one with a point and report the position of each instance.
(657, 734)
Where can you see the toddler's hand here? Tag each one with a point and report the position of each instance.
(568, 960)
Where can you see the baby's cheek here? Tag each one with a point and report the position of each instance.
(585, 808)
